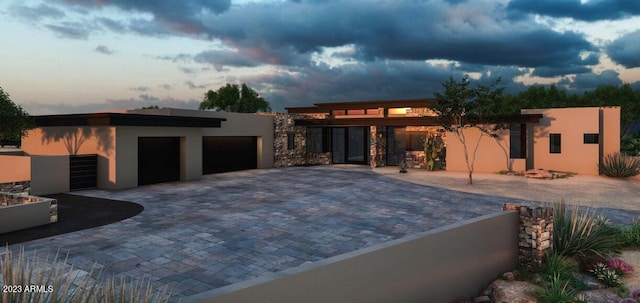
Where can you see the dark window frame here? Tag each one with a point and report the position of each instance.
(518, 138)
(591, 138)
(291, 141)
(415, 139)
(555, 143)
(323, 137)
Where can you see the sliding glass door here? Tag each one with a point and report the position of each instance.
(350, 144)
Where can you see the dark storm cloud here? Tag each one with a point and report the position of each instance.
(178, 16)
(111, 25)
(103, 50)
(590, 81)
(588, 11)
(37, 108)
(373, 81)
(626, 50)
(192, 85)
(70, 30)
(36, 13)
(286, 33)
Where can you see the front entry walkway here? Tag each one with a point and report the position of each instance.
(226, 228)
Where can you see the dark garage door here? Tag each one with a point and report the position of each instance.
(222, 154)
(158, 159)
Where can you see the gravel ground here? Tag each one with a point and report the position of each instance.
(595, 191)
(632, 257)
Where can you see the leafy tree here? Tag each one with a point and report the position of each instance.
(231, 98)
(150, 107)
(14, 121)
(460, 107)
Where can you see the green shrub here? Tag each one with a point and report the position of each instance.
(582, 234)
(619, 165)
(627, 235)
(555, 290)
(563, 268)
(61, 283)
(630, 145)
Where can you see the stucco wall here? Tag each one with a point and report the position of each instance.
(492, 155)
(49, 175)
(15, 168)
(126, 172)
(436, 266)
(70, 140)
(571, 124)
(237, 124)
(610, 130)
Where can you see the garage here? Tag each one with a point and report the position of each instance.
(223, 154)
(158, 159)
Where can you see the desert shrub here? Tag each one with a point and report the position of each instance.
(627, 235)
(581, 234)
(630, 145)
(619, 165)
(561, 267)
(61, 283)
(555, 290)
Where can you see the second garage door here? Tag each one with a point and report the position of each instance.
(158, 159)
(222, 154)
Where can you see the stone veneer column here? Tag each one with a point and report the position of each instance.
(378, 146)
(535, 233)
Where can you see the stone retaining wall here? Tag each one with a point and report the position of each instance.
(23, 187)
(535, 233)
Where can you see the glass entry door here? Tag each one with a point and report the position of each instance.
(338, 148)
(350, 145)
(357, 145)
(396, 145)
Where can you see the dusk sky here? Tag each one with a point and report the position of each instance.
(71, 56)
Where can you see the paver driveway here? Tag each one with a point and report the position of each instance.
(225, 228)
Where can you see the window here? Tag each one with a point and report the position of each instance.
(591, 138)
(555, 145)
(518, 141)
(314, 140)
(291, 141)
(318, 140)
(414, 140)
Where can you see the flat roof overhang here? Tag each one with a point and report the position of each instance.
(119, 119)
(410, 121)
(327, 107)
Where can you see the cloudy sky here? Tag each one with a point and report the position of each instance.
(69, 56)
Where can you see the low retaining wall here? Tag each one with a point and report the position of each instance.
(440, 265)
(20, 212)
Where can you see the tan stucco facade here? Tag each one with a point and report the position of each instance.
(117, 146)
(492, 154)
(569, 125)
(572, 124)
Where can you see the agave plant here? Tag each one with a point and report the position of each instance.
(54, 281)
(581, 234)
(619, 165)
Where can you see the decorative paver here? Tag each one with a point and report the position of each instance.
(226, 228)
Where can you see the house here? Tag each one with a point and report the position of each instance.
(139, 147)
(123, 149)
(382, 133)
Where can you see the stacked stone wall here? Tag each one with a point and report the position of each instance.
(535, 233)
(285, 125)
(378, 146)
(23, 187)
